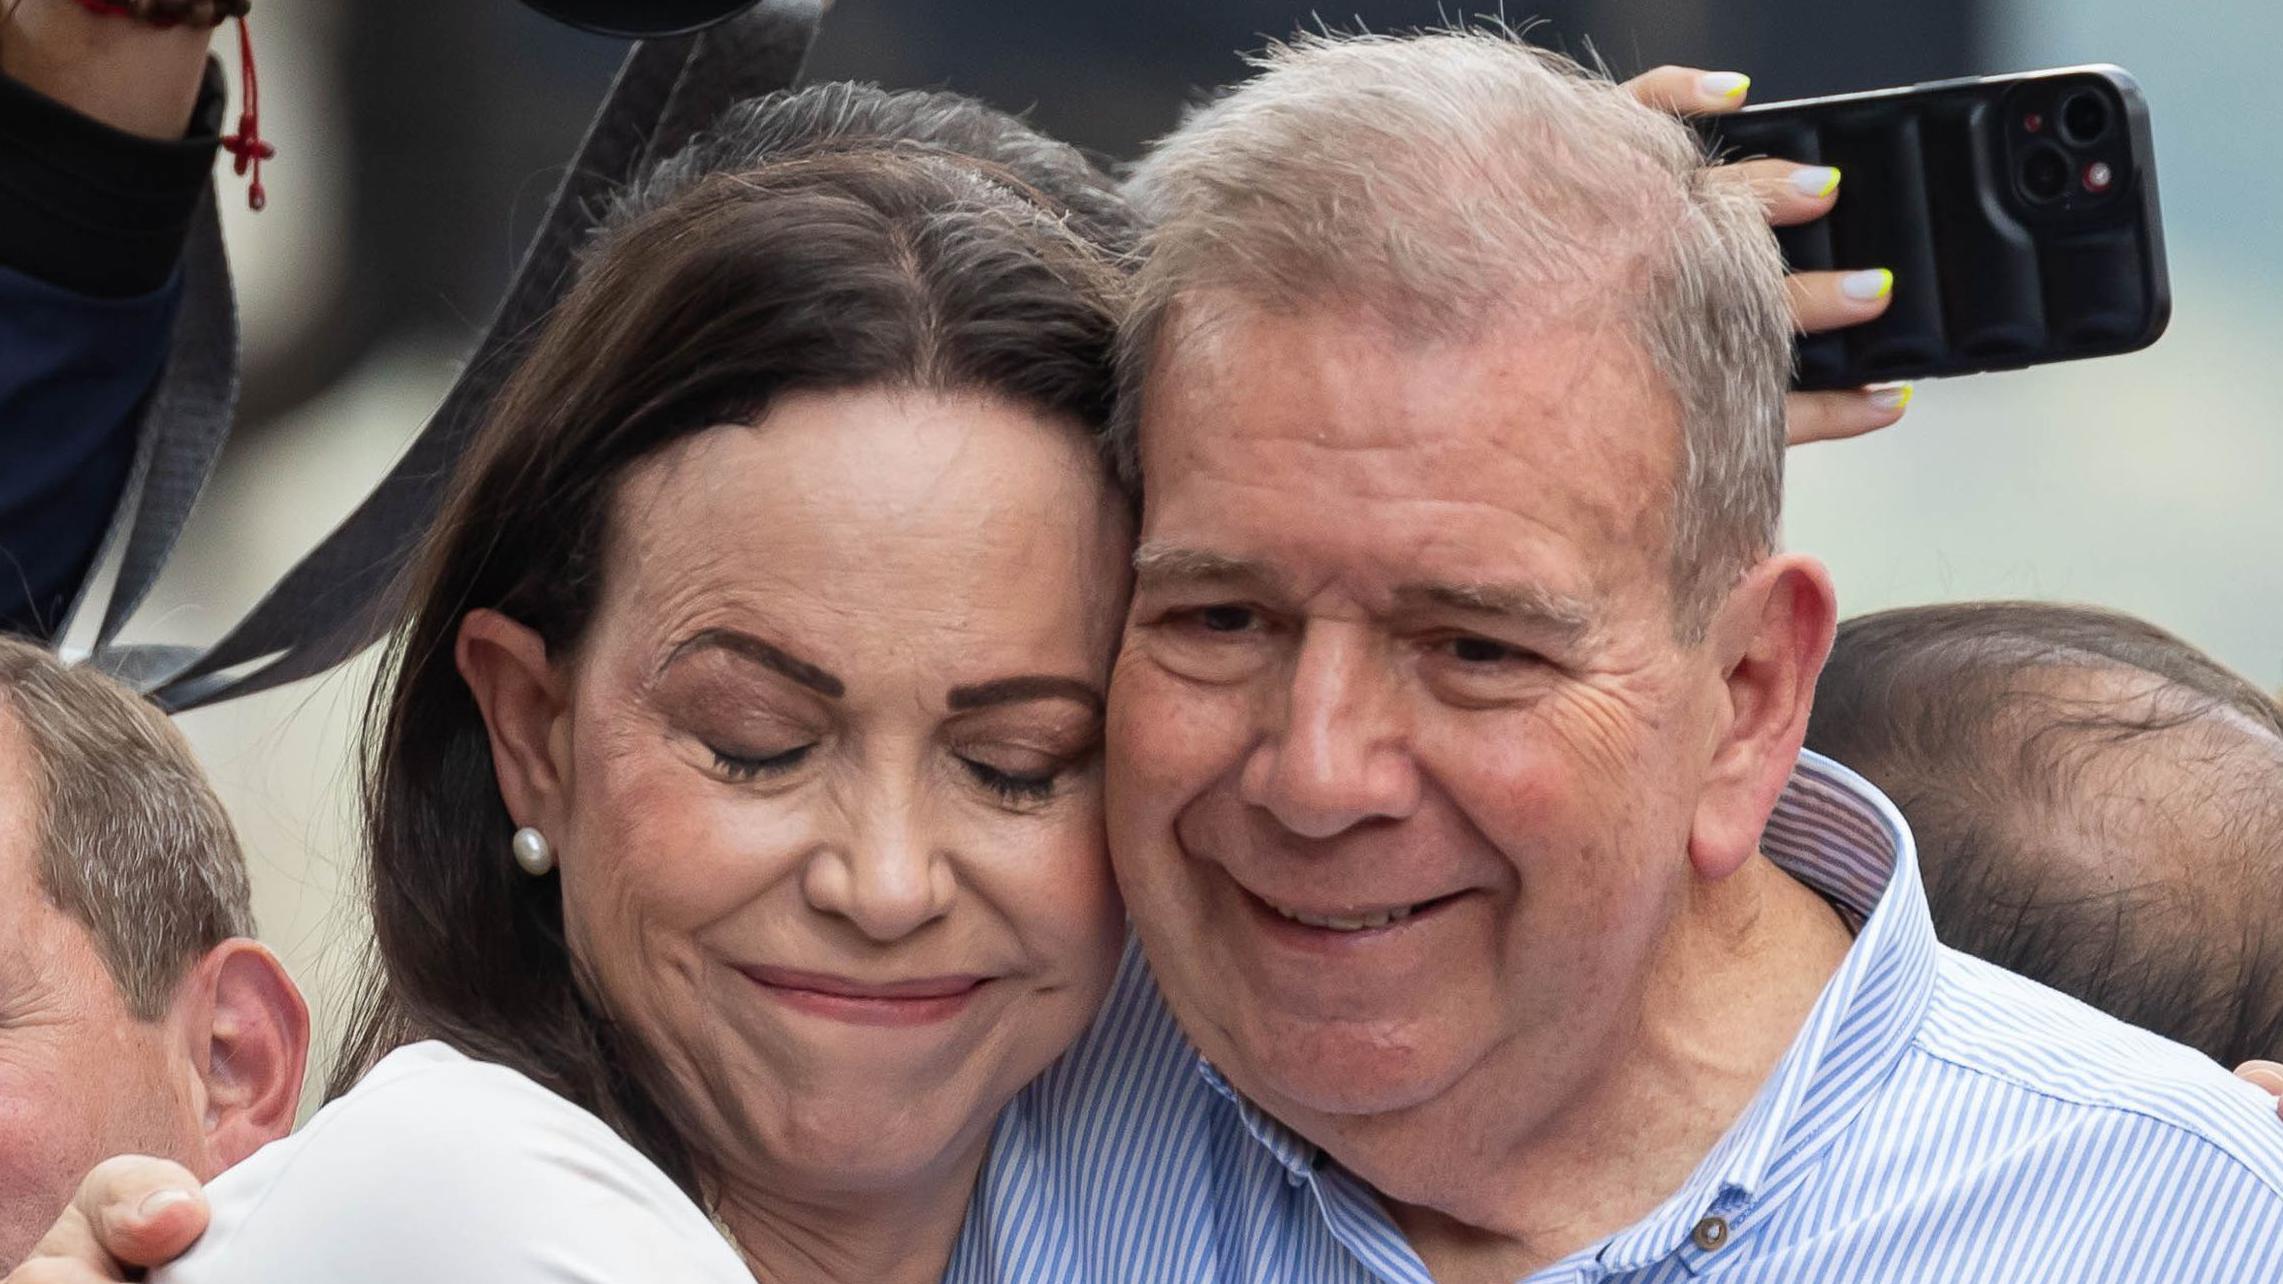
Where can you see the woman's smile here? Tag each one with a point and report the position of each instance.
(913, 1001)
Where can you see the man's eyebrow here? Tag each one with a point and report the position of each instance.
(749, 647)
(1157, 562)
(1027, 686)
(1522, 603)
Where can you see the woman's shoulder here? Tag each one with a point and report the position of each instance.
(451, 1168)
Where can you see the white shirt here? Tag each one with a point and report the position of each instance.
(438, 1169)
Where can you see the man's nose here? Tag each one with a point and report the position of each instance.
(888, 875)
(1339, 755)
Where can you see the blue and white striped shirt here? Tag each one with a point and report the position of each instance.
(1937, 1119)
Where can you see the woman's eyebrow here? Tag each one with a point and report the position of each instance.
(1029, 686)
(749, 647)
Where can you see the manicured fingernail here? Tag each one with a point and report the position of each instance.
(1721, 86)
(1895, 396)
(158, 1201)
(1815, 180)
(1865, 286)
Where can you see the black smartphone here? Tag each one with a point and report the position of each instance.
(2017, 212)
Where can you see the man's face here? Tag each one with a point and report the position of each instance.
(80, 1078)
(1404, 748)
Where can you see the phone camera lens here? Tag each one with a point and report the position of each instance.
(2045, 173)
(2084, 118)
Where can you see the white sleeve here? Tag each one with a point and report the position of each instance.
(463, 1176)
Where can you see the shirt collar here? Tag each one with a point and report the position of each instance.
(1835, 832)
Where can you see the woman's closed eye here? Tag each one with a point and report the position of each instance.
(742, 767)
(1015, 787)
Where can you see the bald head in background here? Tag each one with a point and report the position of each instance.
(2098, 805)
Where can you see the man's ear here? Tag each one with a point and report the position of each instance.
(247, 1031)
(1771, 638)
(521, 695)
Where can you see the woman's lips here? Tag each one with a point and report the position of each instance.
(912, 1001)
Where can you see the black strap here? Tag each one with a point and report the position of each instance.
(348, 592)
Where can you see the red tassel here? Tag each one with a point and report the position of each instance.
(247, 145)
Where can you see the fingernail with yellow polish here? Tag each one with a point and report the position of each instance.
(1815, 180)
(1863, 287)
(1895, 396)
(1723, 86)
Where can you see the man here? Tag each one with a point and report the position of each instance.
(2098, 805)
(135, 1013)
(1454, 781)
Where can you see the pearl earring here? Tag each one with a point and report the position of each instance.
(532, 851)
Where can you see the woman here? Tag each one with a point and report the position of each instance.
(733, 814)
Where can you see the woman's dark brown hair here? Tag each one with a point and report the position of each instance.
(834, 238)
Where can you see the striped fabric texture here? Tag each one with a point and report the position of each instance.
(1936, 1120)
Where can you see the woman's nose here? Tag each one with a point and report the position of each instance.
(888, 878)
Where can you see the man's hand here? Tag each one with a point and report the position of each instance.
(2266, 1075)
(130, 1213)
(127, 74)
(1794, 193)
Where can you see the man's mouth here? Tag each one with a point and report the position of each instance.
(1345, 922)
(1352, 919)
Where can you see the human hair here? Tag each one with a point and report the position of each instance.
(770, 260)
(1445, 182)
(845, 115)
(132, 841)
(2097, 804)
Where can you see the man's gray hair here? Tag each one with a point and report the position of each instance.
(1448, 181)
(132, 841)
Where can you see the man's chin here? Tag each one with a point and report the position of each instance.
(1344, 1070)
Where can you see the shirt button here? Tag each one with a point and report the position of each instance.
(1711, 1233)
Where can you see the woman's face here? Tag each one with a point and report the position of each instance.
(828, 807)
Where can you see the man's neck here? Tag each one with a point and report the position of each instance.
(1487, 1188)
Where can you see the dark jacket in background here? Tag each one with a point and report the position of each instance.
(92, 224)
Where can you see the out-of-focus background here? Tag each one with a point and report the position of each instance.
(420, 139)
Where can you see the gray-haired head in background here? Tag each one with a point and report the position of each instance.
(2098, 804)
(133, 842)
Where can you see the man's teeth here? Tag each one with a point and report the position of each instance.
(1347, 922)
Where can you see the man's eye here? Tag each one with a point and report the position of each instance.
(748, 767)
(1224, 619)
(1472, 650)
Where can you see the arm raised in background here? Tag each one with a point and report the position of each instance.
(108, 129)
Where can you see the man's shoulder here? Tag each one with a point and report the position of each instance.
(2006, 1044)
(2023, 1135)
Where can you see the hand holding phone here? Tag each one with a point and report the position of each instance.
(2018, 214)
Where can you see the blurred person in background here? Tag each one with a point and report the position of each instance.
(108, 132)
(2098, 804)
(136, 1014)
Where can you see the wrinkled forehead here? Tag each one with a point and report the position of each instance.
(1556, 423)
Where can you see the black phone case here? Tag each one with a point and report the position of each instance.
(1936, 184)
